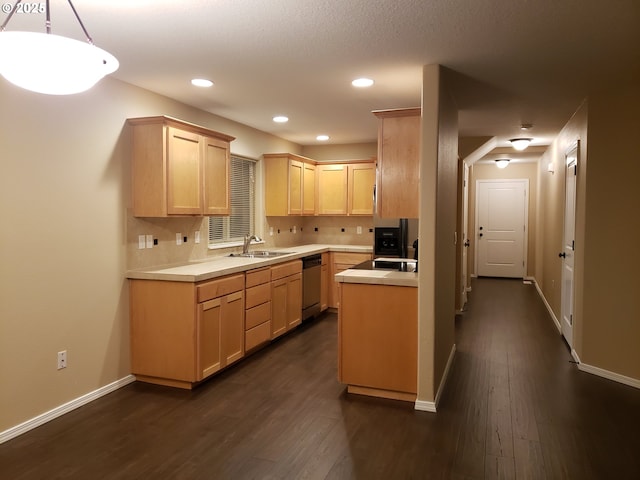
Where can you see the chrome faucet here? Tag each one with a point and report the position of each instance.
(247, 241)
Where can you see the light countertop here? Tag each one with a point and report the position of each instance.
(220, 266)
(379, 277)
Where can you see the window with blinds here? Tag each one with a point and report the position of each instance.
(241, 221)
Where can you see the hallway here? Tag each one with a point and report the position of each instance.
(514, 407)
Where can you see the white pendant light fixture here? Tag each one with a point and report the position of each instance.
(520, 143)
(52, 64)
(502, 162)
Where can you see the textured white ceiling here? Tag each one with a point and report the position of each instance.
(514, 61)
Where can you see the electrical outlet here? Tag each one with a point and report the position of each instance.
(141, 242)
(178, 239)
(62, 360)
(149, 241)
(359, 230)
(271, 231)
(196, 236)
(294, 229)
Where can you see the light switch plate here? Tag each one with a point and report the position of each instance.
(178, 239)
(141, 242)
(359, 230)
(149, 241)
(196, 236)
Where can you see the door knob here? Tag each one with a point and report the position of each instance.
(466, 243)
(562, 255)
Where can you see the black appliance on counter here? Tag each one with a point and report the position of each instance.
(392, 241)
(386, 242)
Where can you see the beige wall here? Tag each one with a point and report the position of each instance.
(356, 151)
(67, 235)
(438, 203)
(610, 335)
(482, 171)
(607, 306)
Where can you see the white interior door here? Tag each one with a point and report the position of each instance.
(465, 234)
(568, 244)
(501, 224)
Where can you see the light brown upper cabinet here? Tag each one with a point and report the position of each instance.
(289, 185)
(332, 189)
(179, 168)
(362, 179)
(398, 174)
(346, 188)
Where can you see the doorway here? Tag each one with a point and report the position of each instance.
(568, 244)
(502, 209)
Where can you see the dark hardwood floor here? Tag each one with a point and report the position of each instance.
(515, 406)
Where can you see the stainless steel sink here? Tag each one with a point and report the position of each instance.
(259, 254)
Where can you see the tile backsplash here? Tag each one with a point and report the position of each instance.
(286, 232)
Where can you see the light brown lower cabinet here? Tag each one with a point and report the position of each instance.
(339, 262)
(378, 340)
(183, 332)
(258, 308)
(286, 297)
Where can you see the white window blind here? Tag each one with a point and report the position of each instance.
(241, 221)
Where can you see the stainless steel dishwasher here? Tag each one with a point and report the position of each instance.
(311, 270)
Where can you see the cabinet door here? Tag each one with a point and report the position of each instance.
(362, 178)
(309, 189)
(296, 170)
(208, 334)
(294, 300)
(217, 177)
(324, 287)
(232, 328)
(184, 175)
(278, 307)
(332, 189)
(398, 166)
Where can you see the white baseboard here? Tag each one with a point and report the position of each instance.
(575, 356)
(425, 406)
(546, 304)
(616, 377)
(65, 408)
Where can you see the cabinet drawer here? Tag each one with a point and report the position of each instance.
(350, 258)
(257, 335)
(257, 315)
(257, 295)
(258, 277)
(286, 269)
(218, 288)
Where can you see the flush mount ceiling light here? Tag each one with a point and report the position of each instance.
(502, 162)
(362, 82)
(322, 138)
(520, 143)
(281, 119)
(201, 82)
(52, 64)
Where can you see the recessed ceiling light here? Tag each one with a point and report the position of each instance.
(201, 82)
(281, 119)
(322, 138)
(362, 82)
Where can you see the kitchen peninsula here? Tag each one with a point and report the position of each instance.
(378, 329)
